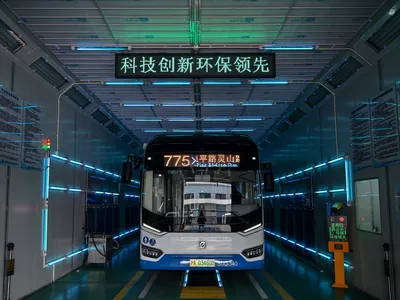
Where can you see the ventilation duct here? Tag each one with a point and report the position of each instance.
(296, 115)
(114, 128)
(272, 137)
(9, 38)
(283, 126)
(386, 34)
(48, 73)
(77, 98)
(100, 117)
(344, 72)
(317, 96)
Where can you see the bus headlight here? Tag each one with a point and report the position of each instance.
(151, 252)
(254, 252)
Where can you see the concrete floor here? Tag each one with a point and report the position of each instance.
(284, 277)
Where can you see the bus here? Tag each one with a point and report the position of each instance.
(201, 204)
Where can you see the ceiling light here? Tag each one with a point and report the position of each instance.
(148, 120)
(286, 48)
(248, 119)
(181, 119)
(154, 130)
(184, 130)
(215, 119)
(257, 104)
(392, 11)
(242, 130)
(138, 105)
(124, 83)
(214, 130)
(222, 82)
(218, 104)
(172, 83)
(177, 105)
(101, 48)
(269, 82)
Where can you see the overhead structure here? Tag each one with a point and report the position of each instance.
(305, 36)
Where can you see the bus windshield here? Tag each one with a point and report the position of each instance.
(199, 200)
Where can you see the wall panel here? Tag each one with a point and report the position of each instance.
(311, 141)
(3, 196)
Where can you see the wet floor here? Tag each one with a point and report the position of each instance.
(284, 277)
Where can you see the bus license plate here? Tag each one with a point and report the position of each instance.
(202, 263)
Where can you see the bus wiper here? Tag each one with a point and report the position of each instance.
(237, 216)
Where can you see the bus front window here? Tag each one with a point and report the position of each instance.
(184, 200)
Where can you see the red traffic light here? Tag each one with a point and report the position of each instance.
(341, 219)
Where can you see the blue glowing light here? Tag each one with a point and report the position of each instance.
(172, 83)
(154, 130)
(219, 278)
(76, 162)
(185, 279)
(58, 188)
(148, 120)
(177, 105)
(124, 83)
(218, 104)
(101, 48)
(214, 130)
(59, 157)
(347, 265)
(138, 105)
(258, 104)
(248, 119)
(45, 215)
(269, 82)
(222, 82)
(316, 166)
(184, 130)
(289, 48)
(242, 130)
(215, 119)
(181, 119)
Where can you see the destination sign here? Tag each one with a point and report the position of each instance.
(260, 65)
(202, 161)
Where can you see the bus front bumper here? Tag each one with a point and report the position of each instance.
(202, 262)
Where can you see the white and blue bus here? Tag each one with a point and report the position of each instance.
(201, 204)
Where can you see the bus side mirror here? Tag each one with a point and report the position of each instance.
(269, 182)
(126, 174)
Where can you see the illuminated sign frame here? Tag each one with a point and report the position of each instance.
(245, 65)
(209, 160)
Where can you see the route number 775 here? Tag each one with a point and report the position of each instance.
(177, 160)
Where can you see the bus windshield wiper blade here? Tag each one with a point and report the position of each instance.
(237, 216)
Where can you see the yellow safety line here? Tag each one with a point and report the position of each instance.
(284, 294)
(128, 286)
(203, 292)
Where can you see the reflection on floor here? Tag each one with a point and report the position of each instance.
(284, 277)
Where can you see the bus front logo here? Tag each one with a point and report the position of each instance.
(202, 245)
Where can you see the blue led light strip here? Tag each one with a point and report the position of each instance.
(347, 265)
(77, 163)
(302, 193)
(60, 259)
(313, 167)
(66, 189)
(186, 278)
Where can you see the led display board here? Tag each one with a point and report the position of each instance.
(260, 65)
(337, 228)
(202, 161)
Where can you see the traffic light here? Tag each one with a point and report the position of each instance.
(46, 144)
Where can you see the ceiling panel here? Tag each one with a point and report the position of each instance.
(236, 26)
